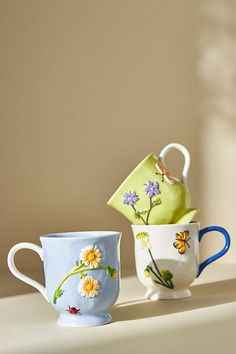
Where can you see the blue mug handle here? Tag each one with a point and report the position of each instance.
(217, 255)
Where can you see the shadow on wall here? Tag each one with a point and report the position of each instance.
(92, 97)
(217, 45)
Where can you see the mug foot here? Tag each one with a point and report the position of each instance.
(167, 295)
(81, 320)
(151, 295)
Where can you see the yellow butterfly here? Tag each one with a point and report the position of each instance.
(181, 242)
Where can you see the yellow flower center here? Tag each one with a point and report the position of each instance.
(89, 286)
(91, 256)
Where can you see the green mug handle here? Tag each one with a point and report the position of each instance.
(187, 159)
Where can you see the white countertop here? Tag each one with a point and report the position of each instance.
(203, 323)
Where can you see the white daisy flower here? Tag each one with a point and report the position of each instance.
(89, 287)
(91, 256)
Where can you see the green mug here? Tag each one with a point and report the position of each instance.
(150, 195)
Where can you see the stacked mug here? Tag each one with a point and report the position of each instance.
(82, 269)
(166, 240)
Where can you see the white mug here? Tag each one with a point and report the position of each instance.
(167, 257)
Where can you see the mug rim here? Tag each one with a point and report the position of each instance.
(167, 225)
(79, 235)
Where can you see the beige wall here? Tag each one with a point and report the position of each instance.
(88, 88)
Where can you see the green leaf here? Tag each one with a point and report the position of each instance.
(142, 234)
(166, 274)
(147, 273)
(108, 270)
(144, 211)
(58, 293)
(137, 215)
(156, 202)
(112, 272)
(76, 263)
(82, 275)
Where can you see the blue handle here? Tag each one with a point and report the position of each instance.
(217, 255)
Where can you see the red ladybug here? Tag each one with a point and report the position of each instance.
(73, 310)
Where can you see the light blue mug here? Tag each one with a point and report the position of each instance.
(82, 274)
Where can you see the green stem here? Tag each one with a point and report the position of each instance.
(171, 285)
(163, 284)
(76, 270)
(148, 214)
(139, 215)
(166, 283)
(161, 281)
(154, 263)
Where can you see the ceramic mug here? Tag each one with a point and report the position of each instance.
(150, 195)
(167, 257)
(82, 271)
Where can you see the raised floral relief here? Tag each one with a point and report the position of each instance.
(181, 242)
(89, 287)
(91, 256)
(162, 277)
(131, 199)
(90, 259)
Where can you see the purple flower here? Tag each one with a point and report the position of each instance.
(130, 198)
(152, 189)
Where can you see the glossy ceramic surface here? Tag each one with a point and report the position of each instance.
(151, 195)
(167, 257)
(82, 274)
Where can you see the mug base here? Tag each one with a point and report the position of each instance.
(81, 320)
(167, 295)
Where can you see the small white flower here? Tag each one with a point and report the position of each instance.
(89, 287)
(91, 256)
(145, 244)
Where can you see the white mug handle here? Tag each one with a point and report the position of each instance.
(18, 274)
(186, 154)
